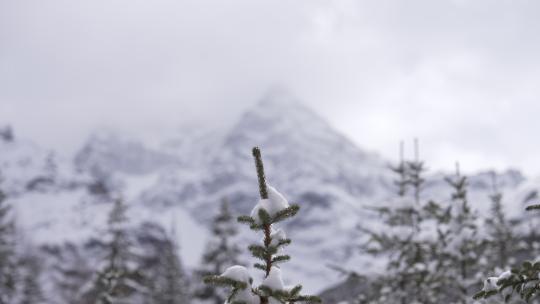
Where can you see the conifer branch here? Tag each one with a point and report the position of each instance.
(265, 217)
(219, 280)
(263, 191)
(286, 213)
(280, 258)
(246, 219)
(284, 242)
(533, 207)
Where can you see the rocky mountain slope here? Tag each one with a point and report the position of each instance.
(181, 182)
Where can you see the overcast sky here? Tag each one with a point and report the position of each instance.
(463, 76)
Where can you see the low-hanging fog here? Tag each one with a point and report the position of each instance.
(460, 75)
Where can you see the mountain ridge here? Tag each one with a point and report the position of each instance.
(306, 159)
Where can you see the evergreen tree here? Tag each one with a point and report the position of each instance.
(161, 265)
(172, 288)
(7, 252)
(31, 269)
(408, 240)
(271, 209)
(462, 245)
(221, 253)
(119, 280)
(70, 272)
(502, 242)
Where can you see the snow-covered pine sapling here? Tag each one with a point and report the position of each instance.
(271, 209)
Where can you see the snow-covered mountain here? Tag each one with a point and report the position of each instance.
(25, 166)
(115, 153)
(182, 180)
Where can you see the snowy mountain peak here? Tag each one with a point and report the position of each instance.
(279, 121)
(113, 152)
(280, 110)
(28, 167)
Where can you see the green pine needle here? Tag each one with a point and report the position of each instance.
(263, 191)
(265, 217)
(286, 213)
(281, 258)
(222, 281)
(246, 219)
(533, 207)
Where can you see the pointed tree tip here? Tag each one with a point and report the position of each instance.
(256, 151)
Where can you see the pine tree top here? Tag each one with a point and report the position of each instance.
(271, 209)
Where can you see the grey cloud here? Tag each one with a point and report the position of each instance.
(461, 75)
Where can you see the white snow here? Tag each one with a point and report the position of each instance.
(276, 236)
(505, 275)
(490, 284)
(241, 274)
(274, 280)
(247, 296)
(273, 204)
(237, 273)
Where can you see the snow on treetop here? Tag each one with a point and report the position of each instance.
(237, 273)
(246, 296)
(490, 284)
(274, 280)
(240, 273)
(276, 236)
(273, 204)
(505, 275)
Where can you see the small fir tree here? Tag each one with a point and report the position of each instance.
(119, 280)
(407, 241)
(502, 241)
(221, 253)
(271, 209)
(31, 269)
(70, 272)
(462, 245)
(172, 285)
(164, 274)
(8, 259)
